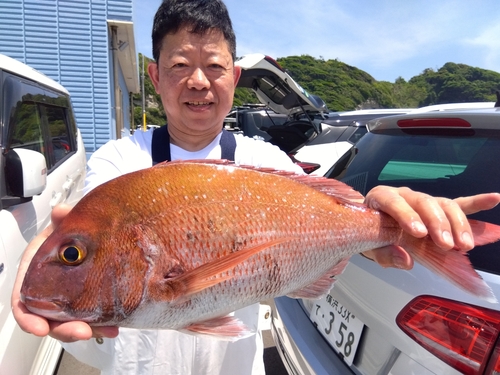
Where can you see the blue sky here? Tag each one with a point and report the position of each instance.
(386, 38)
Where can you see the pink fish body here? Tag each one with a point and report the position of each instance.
(182, 244)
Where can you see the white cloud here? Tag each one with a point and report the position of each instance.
(379, 32)
(488, 41)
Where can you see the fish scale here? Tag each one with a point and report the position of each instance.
(193, 241)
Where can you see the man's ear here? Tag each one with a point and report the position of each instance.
(237, 74)
(154, 75)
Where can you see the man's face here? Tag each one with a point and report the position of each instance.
(195, 77)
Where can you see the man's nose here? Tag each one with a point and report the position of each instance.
(198, 80)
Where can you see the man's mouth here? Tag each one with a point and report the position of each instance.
(199, 103)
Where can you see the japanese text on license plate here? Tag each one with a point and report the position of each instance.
(340, 326)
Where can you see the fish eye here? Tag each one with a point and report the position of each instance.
(72, 255)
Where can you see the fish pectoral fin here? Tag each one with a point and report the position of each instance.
(323, 285)
(209, 274)
(225, 328)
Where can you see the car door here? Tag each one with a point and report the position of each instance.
(38, 119)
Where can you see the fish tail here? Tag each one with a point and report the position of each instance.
(484, 233)
(454, 265)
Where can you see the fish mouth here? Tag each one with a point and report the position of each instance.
(48, 309)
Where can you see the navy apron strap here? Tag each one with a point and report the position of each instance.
(227, 145)
(160, 145)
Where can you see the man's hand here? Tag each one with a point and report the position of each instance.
(420, 214)
(37, 325)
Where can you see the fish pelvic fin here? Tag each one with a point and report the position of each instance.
(210, 274)
(226, 328)
(323, 285)
(454, 265)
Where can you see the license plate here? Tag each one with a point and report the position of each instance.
(341, 328)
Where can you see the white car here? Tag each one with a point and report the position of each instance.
(389, 321)
(296, 121)
(42, 164)
(454, 106)
(340, 132)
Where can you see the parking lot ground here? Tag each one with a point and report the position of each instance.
(70, 366)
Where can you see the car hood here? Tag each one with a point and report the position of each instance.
(275, 87)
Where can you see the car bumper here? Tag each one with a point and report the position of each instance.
(367, 290)
(296, 339)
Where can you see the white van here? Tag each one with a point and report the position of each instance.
(42, 163)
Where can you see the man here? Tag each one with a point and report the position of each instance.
(194, 48)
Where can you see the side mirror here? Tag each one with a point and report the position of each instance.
(25, 174)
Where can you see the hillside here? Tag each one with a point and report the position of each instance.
(457, 83)
(344, 87)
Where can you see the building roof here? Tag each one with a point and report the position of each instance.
(127, 55)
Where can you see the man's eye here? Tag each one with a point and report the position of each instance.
(216, 67)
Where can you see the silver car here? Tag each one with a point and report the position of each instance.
(389, 321)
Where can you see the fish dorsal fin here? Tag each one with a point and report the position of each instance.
(209, 274)
(327, 186)
(323, 285)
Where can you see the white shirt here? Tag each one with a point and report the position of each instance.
(167, 351)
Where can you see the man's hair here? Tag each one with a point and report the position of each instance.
(201, 16)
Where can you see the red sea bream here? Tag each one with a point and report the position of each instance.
(182, 244)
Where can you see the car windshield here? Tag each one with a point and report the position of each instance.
(437, 163)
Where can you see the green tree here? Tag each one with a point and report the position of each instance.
(344, 87)
(155, 114)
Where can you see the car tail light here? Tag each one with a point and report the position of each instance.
(274, 62)
(434, 123)
(306, 166)
(464, 336)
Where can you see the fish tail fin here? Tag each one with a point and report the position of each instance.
(484, 233)
(454, 265)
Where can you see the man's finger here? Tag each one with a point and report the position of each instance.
(480, 202)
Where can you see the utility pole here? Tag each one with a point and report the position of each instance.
(143, 98)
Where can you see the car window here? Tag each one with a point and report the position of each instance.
(26, 128)
(431, 158)
(42, 128)
(426, 162)
(438, 164)
(357, 135)
(59, 143)
(274, 88)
